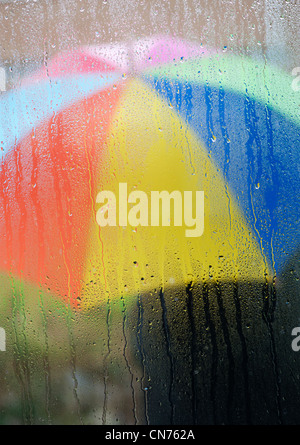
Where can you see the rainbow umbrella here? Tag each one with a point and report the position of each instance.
(154, 115)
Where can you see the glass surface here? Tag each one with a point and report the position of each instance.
(114, 311)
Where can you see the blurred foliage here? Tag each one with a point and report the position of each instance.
(59, 363)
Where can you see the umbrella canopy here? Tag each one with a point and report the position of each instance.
(157, 115)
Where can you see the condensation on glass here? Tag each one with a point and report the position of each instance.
(145, 320)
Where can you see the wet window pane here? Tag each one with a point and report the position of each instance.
(149, 222)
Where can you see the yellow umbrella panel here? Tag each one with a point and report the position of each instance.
(150, 149)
